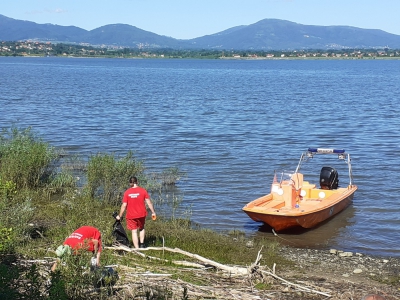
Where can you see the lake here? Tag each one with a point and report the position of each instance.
(228, 124)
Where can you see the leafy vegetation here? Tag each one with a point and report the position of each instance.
(42, 201)
(107, 176)
(26, 160)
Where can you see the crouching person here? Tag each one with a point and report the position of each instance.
(85, 237)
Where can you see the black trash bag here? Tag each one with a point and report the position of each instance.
(104, 277)
(119, 232)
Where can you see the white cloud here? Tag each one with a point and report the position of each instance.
(60, 11)
(47, 11)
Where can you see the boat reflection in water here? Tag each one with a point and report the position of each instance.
(327, 234)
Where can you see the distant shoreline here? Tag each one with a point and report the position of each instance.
(30, 49)
(311, 58)
(222, 58)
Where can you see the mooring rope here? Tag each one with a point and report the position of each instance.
(275, 234)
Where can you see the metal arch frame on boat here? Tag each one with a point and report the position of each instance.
(341, 153)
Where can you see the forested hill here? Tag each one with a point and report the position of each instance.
(267, 34)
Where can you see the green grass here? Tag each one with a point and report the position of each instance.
(43, 199)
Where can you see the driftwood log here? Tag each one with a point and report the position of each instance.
(233, 270)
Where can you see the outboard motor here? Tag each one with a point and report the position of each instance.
(329, 178)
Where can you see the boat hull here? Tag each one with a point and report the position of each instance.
(281, 220)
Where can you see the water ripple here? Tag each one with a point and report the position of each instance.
(228, 124)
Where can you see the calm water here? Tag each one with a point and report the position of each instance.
(228, 125)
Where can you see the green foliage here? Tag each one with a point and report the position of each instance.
(7, 189)
(26, 164)
(7, 192)
(57, 289)
(5, 238)
(108, 176)
(9, 275)
(18, 281)
(392, 278)
(76, 276)
(71, 280)
(32, 290)
(76, 210)
(25, 159)
(48, 198)
(14, 217)
(263, 286)
(60, 182)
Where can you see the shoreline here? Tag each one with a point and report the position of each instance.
(356, 274)
(217, 58)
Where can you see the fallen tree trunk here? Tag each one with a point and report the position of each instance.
(233, 270)
(177, 262)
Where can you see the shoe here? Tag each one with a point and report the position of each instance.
(141, 245)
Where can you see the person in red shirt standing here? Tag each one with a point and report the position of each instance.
(85, 237)
(134, 201)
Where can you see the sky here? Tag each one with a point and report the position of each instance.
(187, 19)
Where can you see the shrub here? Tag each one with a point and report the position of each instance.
(108, 175)
(21, 281)
(25, 159)
(27, 166)
(5, 238)
(168, 177)
(7, 189)
(14, 220)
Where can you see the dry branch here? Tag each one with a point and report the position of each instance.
(296, 285)
(233, 270)
(177, 262)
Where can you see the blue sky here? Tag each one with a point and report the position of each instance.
(185, 19)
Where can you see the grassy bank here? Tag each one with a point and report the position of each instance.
(45, 194)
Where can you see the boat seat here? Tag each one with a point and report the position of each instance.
(274, 204)
(307, 185)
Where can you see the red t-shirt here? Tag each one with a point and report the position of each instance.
(77, 239)
(134, 197)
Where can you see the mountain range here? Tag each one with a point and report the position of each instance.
(267, 34)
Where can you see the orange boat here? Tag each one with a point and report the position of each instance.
(294, 202)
